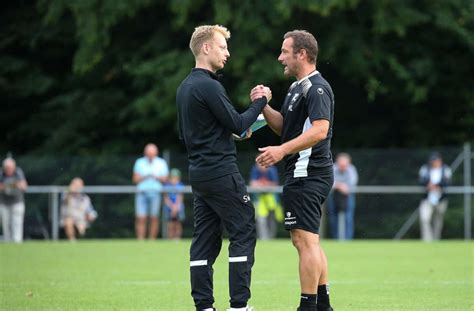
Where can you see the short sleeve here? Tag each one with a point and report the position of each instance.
(448, 172)
(163, 171)
(20, 174)
(319, 104)
(422, 172)
(136, 167)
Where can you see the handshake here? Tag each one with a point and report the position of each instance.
(257, 92)
(260, 91)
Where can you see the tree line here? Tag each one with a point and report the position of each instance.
(100, 76)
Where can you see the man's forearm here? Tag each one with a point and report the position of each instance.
(162, 179)
(274, 119)
(22, 185)
(137, 178)
(306, 140)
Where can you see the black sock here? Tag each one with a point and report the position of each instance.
(308, 302)
(323, 297)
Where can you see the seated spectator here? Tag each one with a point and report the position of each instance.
(77, 211)
(174, 206)
(12, 203)
(268, 209)
(434, 176)
(342, 198)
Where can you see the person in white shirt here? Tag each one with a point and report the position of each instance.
(434, 176)
(149, 173)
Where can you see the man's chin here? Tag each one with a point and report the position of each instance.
(219, 67)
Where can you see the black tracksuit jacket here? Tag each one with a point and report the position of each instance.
(207, 120)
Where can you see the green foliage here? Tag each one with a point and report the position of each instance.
(100, 76)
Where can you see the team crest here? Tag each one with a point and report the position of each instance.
(295, 97)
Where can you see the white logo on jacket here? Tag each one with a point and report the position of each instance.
(295, 97)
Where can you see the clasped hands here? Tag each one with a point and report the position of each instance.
(272, 154)
(260, 91)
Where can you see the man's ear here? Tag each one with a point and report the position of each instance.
(303, 54)
(205, 48)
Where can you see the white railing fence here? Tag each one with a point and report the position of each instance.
(464, 158)
(55, 192)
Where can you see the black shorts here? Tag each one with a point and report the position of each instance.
(303, 198)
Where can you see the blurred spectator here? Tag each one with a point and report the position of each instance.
(342, 197)
(77, 211)
(173, 211)
(269, 210)
(149, 173)
(12, 203)
(434, 176)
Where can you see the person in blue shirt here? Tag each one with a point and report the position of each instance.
(342, 197)
(268, 209)
(174, 206)
(149, 174)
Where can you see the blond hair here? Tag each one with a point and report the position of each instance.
(203, 33)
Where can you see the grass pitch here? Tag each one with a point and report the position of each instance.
(131, 275)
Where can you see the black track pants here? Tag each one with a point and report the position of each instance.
(218, 203)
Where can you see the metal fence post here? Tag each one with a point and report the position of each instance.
(467, 194)
(167, 156)
(55, 214)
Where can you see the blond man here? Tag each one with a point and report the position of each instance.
(207, 120)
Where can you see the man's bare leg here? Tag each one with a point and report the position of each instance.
(310, 266)
(69, 229)
(154, 227)
(140, 227)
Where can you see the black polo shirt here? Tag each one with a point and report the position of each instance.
(307, 100)
(206, 120)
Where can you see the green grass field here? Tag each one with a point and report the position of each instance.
(131, 275)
